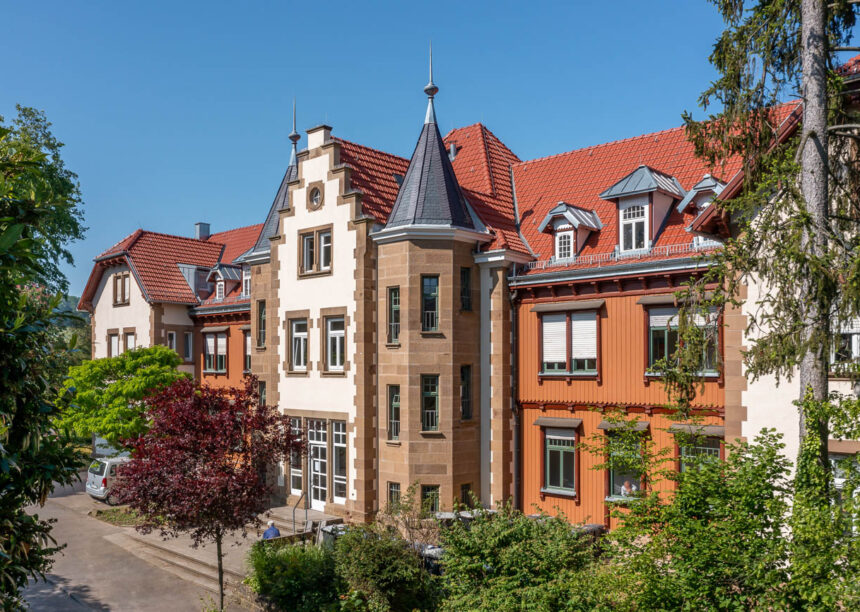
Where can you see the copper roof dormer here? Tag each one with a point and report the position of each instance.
(430, 194)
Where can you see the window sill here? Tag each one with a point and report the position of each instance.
(618, 499)
(122, 304)
(392, 345)
(315, 273)
(432, 433)
(568, 376)
(334, 374)
(260, 348)
(214, 372)
(558, 492)
(432, 334)
(713, 375)
(300, 373)
(469, 312)
(392, 442)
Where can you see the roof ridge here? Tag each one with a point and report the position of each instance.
(487, 160)
(152, 233)
(235, 229)
(501, 142)
(599, 145)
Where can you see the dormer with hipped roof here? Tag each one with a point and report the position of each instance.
(644, 198)
(570, 226)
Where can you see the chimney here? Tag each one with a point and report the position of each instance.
(201, 230)
(452, 152)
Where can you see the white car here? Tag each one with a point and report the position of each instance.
(101, 476)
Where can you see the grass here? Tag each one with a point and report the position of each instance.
(121, 517)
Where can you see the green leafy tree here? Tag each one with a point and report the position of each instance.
(39, 216)
(298, 577)
(507, 561)
(106, 396)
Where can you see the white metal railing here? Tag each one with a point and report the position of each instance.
(603, 259)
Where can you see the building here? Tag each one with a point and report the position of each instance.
(181, 292)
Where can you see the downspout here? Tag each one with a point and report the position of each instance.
(514, 400)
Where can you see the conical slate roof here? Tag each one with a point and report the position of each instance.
(430, 194)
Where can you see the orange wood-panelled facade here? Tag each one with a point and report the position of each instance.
(236, 327)
(621, 383)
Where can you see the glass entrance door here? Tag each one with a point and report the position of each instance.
(318, 456)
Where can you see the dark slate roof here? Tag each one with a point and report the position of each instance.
(270, 227)
(430, 194)
(644, 180)
(578, 217)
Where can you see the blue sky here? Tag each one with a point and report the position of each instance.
(176, 112)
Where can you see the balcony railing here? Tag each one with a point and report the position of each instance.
(615, 257)
(430, 320)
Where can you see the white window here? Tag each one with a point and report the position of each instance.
(325, 250)
(114, 345)
(583, 341)
(219, 290)
(299, 331)
(633, 222)
(564, 244)
(130, 341)
(339, 477)
(307, 253)
(554, 343)
(296, 459)
(246, 281)
(560, 459)
(247, 355)
(126, 287)
(846, 347)
(171, 340)
(335, 344)
(189, 346)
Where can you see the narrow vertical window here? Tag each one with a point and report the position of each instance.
(208, 352)
(564, 245)
(335, 344)
(308, 260)
(325, 250)
(247, 344)
(171, 340)
(466, 494)
(466, 289)
(554, 341)
(430, 498)
(261, 322)
(246, 281)
(393, 493)
(393, 315)
(633, 228)
(219, 290)
(296, 459)
(221, 353)
(299, 348)
(130, 341)
(113, 345)
(429, 402)
(189, 346)
(466, 392)
(393, 412)
(261, 391)
(339, 447)
(429, 303)
(624, 478)
(662, 334)
(583, 342)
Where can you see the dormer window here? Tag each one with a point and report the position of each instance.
(564, 244)
(246, 281)
(219, 290)
(633, 220)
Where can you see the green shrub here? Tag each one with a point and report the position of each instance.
(295, 577)
(382, 571)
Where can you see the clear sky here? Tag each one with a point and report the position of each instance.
(176, 112)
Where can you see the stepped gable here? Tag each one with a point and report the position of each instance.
(375, 174)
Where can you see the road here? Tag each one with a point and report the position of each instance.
(93, 574)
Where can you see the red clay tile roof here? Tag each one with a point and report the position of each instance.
(483, 167)
(122, 245)
(578, 177)
(373, 174)
(236, 241)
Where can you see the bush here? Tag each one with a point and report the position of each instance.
(294, 577)
(383, 571)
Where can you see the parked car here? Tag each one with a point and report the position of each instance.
(101, 476)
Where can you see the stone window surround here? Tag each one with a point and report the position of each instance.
(310, 189)
(289, 317)
(126, 331)
(113, 331)
(329, 417)
(326, 313)
(316, 231)
(119, 280)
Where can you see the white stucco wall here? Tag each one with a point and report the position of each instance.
(107, 316)
(317, 392)
(176, 314)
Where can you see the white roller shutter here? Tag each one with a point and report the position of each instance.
(210, 344)
(583, 332)
(222, 344)
(554, 336)
(248, 343)
(663, 317)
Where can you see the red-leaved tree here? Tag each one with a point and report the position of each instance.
(200, 469)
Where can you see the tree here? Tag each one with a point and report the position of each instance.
(200, 466)
(106, 396)
(38, 211)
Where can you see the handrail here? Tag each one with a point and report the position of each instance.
(296, 505)
(614, 257)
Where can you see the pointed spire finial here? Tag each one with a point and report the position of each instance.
(294, 137)
(430, 88)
